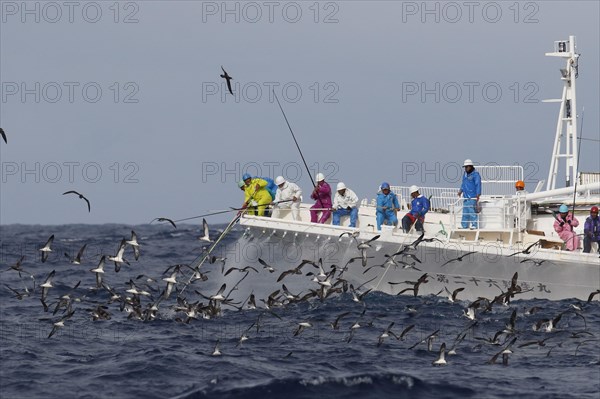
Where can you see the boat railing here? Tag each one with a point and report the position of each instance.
(496, 213)
(496, 180)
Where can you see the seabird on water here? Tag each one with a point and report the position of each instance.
(216, 351)
(441, 360)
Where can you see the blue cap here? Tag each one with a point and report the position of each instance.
(246, 176)
(385, 185)
(563, 209)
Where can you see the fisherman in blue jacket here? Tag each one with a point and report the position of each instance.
(418, 208)
(387, 206)
(471, 191)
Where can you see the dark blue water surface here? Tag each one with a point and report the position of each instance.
(165, 357)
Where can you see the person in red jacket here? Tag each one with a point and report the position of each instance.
(322, 196)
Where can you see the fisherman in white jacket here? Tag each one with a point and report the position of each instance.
(345, 202)
(287, 198)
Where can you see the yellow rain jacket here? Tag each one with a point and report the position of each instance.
(255, 197)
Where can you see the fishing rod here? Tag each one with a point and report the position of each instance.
(297, 146)
(227, 211)
(577, 166)
(195, 265)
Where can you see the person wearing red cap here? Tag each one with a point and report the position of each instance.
(591, 231)
(564, 224)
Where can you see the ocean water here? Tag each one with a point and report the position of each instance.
(164, 356)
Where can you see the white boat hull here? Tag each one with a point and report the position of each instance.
(485, 273)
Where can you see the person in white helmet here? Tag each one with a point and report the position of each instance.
(418, 208)
(345, 202)
(471, 191)
(287, 198)
(322, 196)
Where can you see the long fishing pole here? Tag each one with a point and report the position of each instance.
(577, 166)
(227, 211)
(202, 258)
(297, 146)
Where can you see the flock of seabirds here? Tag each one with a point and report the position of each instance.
(142, 297)
(178, 290)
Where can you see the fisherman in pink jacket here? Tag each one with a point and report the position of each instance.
(322, 195)
(564, 224)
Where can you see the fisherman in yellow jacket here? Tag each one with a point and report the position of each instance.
(256, 195)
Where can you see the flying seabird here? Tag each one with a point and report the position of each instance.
(266, 266)
(99, 271)
(118, 258)
(356, 297)
(47, 285)
(363, 246)
(536, 262)
(46, 249)
(336, 322)
(206, 236)
(526, 251)
(134, 244)
(592, 295)
(298, 269)
(385, 334)
(77, 259)
(504, 352)
(428, 340)
(301, 327)
(80, 196)
(165, 220)
(228, 78)
(405, 331)
(460, 258)
(19, 295)
(452, 295)
(60, 323)
(244, 269)
(18, 267)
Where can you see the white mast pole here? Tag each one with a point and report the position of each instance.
(567, 116)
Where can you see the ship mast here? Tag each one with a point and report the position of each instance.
(566, 127)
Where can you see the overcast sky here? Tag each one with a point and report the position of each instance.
(123, 101)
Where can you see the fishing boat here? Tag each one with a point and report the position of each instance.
(514, 243)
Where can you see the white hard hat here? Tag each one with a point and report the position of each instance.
(279, 180)
(341, 186)
(413, 189)
(467, 162)
(320, 177)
